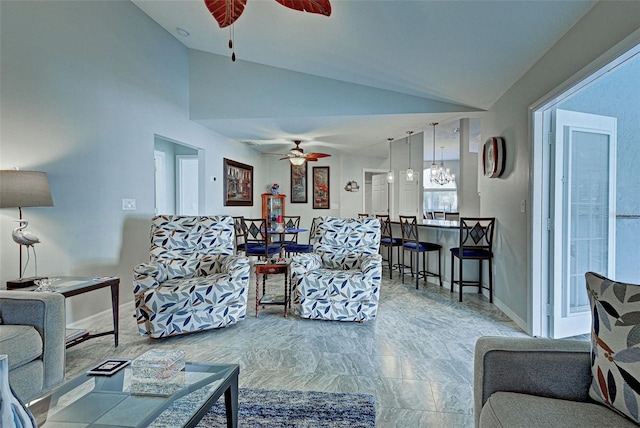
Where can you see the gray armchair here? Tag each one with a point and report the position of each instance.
(32, 331)
(530, 382)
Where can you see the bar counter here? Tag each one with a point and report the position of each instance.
(439, 224)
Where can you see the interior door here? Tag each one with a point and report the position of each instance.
(160, 182)
(380, 194)
(409, 198)
(187, 184)
(583, 232)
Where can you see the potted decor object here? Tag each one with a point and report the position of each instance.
(12, 411)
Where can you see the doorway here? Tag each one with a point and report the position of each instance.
(377, 198)
(178, 178)
(586, 212)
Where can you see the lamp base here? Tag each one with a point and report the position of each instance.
(23, 282)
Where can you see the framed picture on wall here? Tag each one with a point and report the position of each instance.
(321, 187)
(238, 183)
(299, 183)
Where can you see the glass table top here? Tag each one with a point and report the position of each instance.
(120, 401)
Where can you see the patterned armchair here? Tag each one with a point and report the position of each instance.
(193, 281)
(341, 279)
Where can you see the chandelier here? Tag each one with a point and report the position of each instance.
(439, 175)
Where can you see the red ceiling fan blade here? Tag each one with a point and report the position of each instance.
(317, 155)
(322, 7)
(225, 12)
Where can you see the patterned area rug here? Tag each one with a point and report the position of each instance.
(260, 408)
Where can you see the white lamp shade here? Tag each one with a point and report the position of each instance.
(24, 189)
(297, 161)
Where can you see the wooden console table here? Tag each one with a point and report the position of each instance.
(70, 286)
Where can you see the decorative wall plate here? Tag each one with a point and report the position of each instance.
(493, 157)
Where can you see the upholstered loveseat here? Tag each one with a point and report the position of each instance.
(341, 279)
(32, 330)
(193, 281)
(562, 383)
(532, 382)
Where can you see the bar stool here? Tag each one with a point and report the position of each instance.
(475, 243)
(241, 244)
(410, 242)
(290, 222)
(257, 239)
(296, 248)
(389, 242)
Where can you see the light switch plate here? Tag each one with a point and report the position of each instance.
(128, 204)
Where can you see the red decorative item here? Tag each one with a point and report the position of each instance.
(493, 157)
(322, 7)
(226, 12)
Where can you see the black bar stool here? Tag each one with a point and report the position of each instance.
(410, 242)
(295, 247)
(389, 242)
(475, 243)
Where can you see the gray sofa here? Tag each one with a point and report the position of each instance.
(530, 382)
(32, 331)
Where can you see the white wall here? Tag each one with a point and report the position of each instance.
(602, 28)
(342, 168)
(467, 180)
(85, 86)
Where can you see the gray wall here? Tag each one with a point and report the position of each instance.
(85, 89)
(85, 86)
(604, 26)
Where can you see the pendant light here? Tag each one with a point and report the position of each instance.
(390, 174)
(439, 175)
(409, 170)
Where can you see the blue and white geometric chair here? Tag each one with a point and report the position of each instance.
(193, 280)
(341, 279)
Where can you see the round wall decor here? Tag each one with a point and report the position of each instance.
(493, 157)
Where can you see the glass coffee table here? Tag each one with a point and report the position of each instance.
(119, 401)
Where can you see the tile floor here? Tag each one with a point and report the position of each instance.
(416, 358)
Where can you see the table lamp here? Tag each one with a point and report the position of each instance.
(19, 189)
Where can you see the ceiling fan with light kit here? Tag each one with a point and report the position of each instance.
(297, 156)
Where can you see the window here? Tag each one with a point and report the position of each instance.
(437, 197)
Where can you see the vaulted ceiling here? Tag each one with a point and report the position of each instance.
(459, 53)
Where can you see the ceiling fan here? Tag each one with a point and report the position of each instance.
(297, 156)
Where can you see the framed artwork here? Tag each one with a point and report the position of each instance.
(493, 157)
(321, 187)
(238, 183)
(299, 184)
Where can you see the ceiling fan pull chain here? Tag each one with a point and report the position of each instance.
(232, 36)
